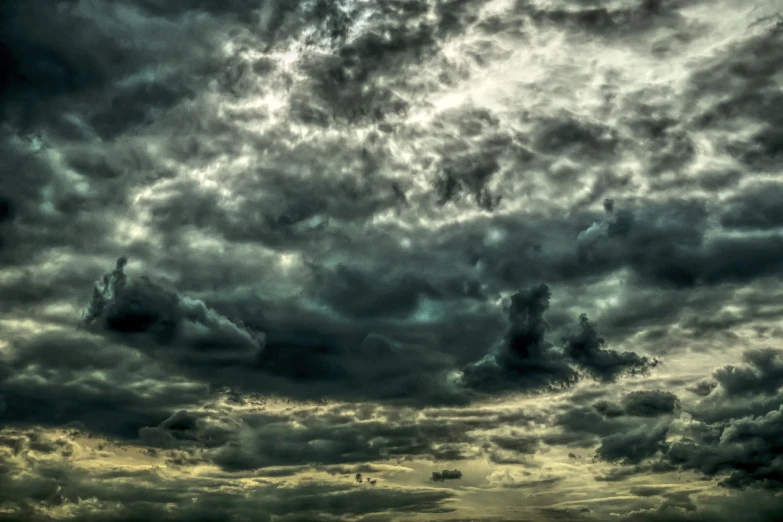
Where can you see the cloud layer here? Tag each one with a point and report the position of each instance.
(536, 242)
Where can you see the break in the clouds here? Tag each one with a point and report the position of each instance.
(293, 260)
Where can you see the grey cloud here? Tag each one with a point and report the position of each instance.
(609, 409)
(66, 56)
(186, 330)
(761, 373)
(338, 439)
(650, 403)
(631, 433)
(30, 489)
(703, 388)
(56, 379)
(755, 506)
(446, 474)
(754, 208)
(206, 345)
(587, 350)
(361, 203)
(748, 67)
(567, 136)
(326, 438)
(581, 427)
(748, 452)
(517, 443)
(526, 360)
(361, 294)
(733, 438)
(648, 491)
(635, 445)
(640, 17)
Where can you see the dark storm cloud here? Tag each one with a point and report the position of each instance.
(754, 506)
(279, 207)
(360, 294)
(526, 360)
(668, 245)
(741, 83)
(662, 244)
(582, 427)
(567, 136)
(446, 474)
(30, 486)
(242, 9)
(336, 440)
(703, 388)
(733, 436)
(206, 345)
(57, 379)
(517, 443)
(471, 144)
(293, 360)
(626, 21)
(633, 432)
(609, 409)
(634, 445)
(63, 56)
(33, 217)
(332, 438)
(36, 286)
(761, 373)
(587, 350)
(341, 236)
(749, 451)
(755, 208)
(650, 403)
(181, 330)
(349, 86)
(75, 76)
(184, 429)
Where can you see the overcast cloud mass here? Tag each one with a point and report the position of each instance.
(399, 260)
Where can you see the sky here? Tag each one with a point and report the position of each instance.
(397, 260)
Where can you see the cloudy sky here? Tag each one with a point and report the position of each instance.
(283, 260)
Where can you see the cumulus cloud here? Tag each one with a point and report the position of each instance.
(635, 445)
(527, 360)
(761, 373)
(587, 351)
(746, 451)
(650, 403)
(186, 330)
(733, 436)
